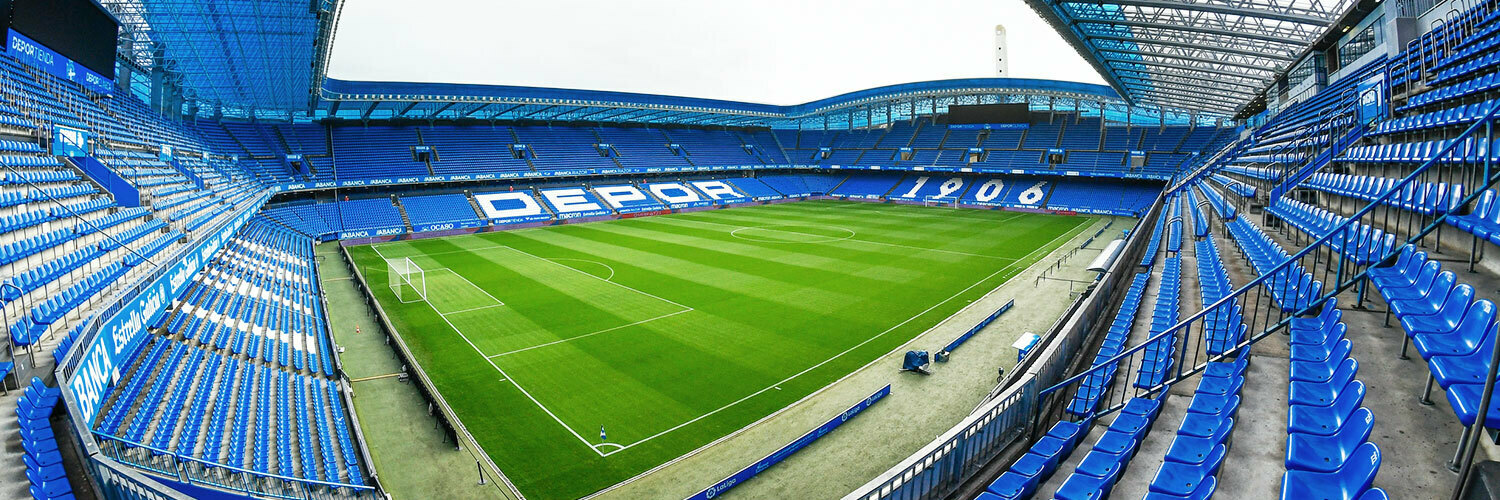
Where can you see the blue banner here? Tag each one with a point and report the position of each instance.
(371, 233)
(521, 220)
(795, 446)
(119, 335)
(989, 126)
(35, 54)
(447, 226)
(70, 141)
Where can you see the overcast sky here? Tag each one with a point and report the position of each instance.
(769, 51)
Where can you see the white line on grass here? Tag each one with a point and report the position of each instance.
(472, 309)
(606, 266)
(570, 268)
(476, 287)
(502, 371)
(1067, 233)
(606, 330)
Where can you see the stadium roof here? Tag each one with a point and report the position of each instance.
(245, 54)
(266, 60)
(1206, 55)
(870, 107)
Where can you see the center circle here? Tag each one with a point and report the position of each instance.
(793, 233)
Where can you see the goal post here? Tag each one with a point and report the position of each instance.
(407, 280)
(941, 201)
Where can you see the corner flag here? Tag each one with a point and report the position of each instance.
(601, 434)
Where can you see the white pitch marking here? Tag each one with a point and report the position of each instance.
(570, 268)
(472, 309)
(602, 445)
(502, 371)
(471, 283)
(606, 330)
(606, 266)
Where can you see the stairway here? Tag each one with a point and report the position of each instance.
(1295, 177)
(405, 219)
(428, 162)
(469, 195)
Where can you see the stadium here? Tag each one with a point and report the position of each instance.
(1241, 253)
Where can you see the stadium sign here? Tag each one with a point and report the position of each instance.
(448, 226)
(989, 126)
(122, 333)
(371, 233)
(45, 59)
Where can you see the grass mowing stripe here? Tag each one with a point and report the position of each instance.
(876, 261)
(789, 317)
(888, 232)
(690, 244)
(852, 239)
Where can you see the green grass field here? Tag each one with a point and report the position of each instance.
(672, 331)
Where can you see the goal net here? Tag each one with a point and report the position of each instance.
(941, 201)
(408, 281)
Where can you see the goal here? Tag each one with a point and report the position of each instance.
(941, 201)
(408, 281)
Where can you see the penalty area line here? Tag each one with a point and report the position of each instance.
(507, 376)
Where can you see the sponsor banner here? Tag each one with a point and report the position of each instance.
(989, 126)
(576, 215)
(121, 334)
(691, 204)
(41, 57)
(521, 219)
(371, 233)
(447, 226)
(793, 447)
(636, 210)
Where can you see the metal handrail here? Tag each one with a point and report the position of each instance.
(91, 326)
(1276, 272)
(189, 458)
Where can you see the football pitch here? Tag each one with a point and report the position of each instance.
(581, 355)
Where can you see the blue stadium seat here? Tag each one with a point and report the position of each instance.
(1346, 483)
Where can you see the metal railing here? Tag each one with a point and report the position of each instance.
(1339, 257)
(98, 447)
(1008, 414)
(193, 470)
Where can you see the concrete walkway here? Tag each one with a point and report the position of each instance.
(412, 456)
